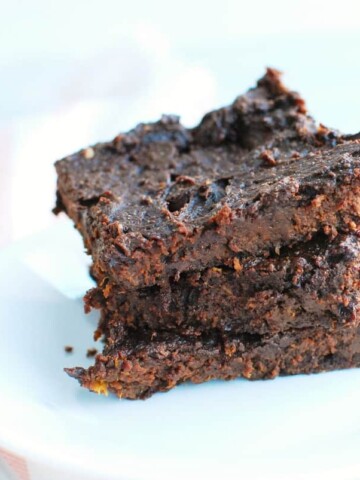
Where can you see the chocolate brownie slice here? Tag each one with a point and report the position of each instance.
(225, 250)
(312, 284)
(143, 363)
(250, 178)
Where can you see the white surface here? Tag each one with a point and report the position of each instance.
(305, 427)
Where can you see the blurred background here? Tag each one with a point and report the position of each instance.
(74, 72)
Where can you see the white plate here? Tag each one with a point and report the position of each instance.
(297, 427)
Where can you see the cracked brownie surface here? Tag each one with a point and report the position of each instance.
(251, 177)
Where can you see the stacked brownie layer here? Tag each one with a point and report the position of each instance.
(313, 284)
(227, 250)
(142, 364)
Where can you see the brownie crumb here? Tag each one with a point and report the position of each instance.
(91, 352)
(88, 153)
(237, 265)
(268, 158)
(69, 349)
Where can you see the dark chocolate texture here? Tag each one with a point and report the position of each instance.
(314, 283)
(250, 178)
(227, 250)
(145, 363)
